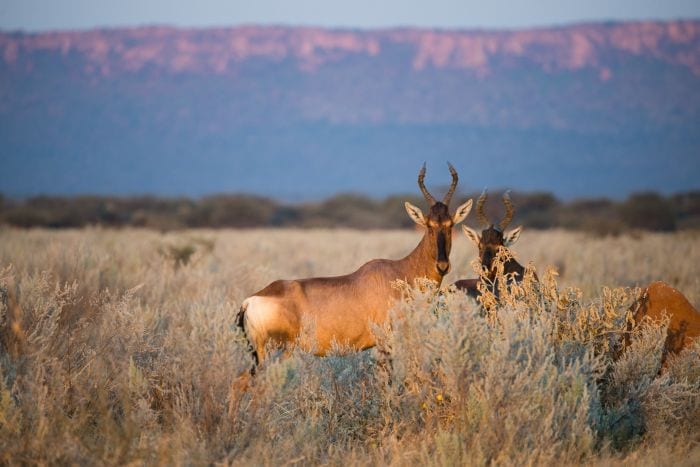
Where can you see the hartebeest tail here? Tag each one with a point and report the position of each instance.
(492, 238)
(342, 309)
(240, 322)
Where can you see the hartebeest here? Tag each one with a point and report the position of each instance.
(659, 299)
(343, 308)
(492, 238)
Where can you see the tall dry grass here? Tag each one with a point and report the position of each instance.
(121, 347)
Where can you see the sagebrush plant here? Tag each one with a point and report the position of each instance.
(112, 352)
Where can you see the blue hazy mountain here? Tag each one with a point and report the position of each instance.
(299, 113)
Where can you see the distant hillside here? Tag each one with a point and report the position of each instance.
(298, 113)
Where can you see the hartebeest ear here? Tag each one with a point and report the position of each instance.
(471, 234)
(415, 213)
(512, 236)
(462, 212)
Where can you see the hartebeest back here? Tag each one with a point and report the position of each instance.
(343, 308)
(492, 238)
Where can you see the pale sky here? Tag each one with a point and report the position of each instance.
(38, 15)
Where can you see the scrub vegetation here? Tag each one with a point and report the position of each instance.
(121, 347)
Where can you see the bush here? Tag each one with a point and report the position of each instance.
(648, 211)
(156, 371)
(538, 210)
(598, 216)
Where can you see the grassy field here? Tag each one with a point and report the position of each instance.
(120, 347)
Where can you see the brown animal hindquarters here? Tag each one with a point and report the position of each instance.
(660, 299)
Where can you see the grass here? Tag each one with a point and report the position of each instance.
(120, 346)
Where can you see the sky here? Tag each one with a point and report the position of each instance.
(42, 15)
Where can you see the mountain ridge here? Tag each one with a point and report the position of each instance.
(617, 104)
(440, 48)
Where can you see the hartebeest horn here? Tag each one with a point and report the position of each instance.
(455, 178)
(509, 211)
(421, 176)
(480, 216)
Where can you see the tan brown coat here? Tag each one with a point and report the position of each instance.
(659, 299)
(342, 309)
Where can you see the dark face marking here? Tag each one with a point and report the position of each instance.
(443, 261)
(441, 247)
(491, 241)
(440, 225)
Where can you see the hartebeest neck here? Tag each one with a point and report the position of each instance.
(421, 262)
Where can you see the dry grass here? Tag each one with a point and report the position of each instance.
(121, 347)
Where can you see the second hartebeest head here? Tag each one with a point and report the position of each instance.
(439, 222)
(493, 236)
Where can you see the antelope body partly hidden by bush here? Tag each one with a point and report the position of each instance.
(342, 309)
(659, 300)
(492, 238)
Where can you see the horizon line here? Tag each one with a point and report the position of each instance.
(310, 26)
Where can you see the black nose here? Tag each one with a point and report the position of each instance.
(443, 268)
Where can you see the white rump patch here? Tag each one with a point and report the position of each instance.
(259, 314)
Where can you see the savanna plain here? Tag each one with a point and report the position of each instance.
(121, 347)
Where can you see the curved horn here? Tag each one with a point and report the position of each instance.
(455, 178)
(480, 216)
(421, 176)
(509, 211)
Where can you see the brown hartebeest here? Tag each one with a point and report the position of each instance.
(343, 308)
(492, 238)
(659, 299)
